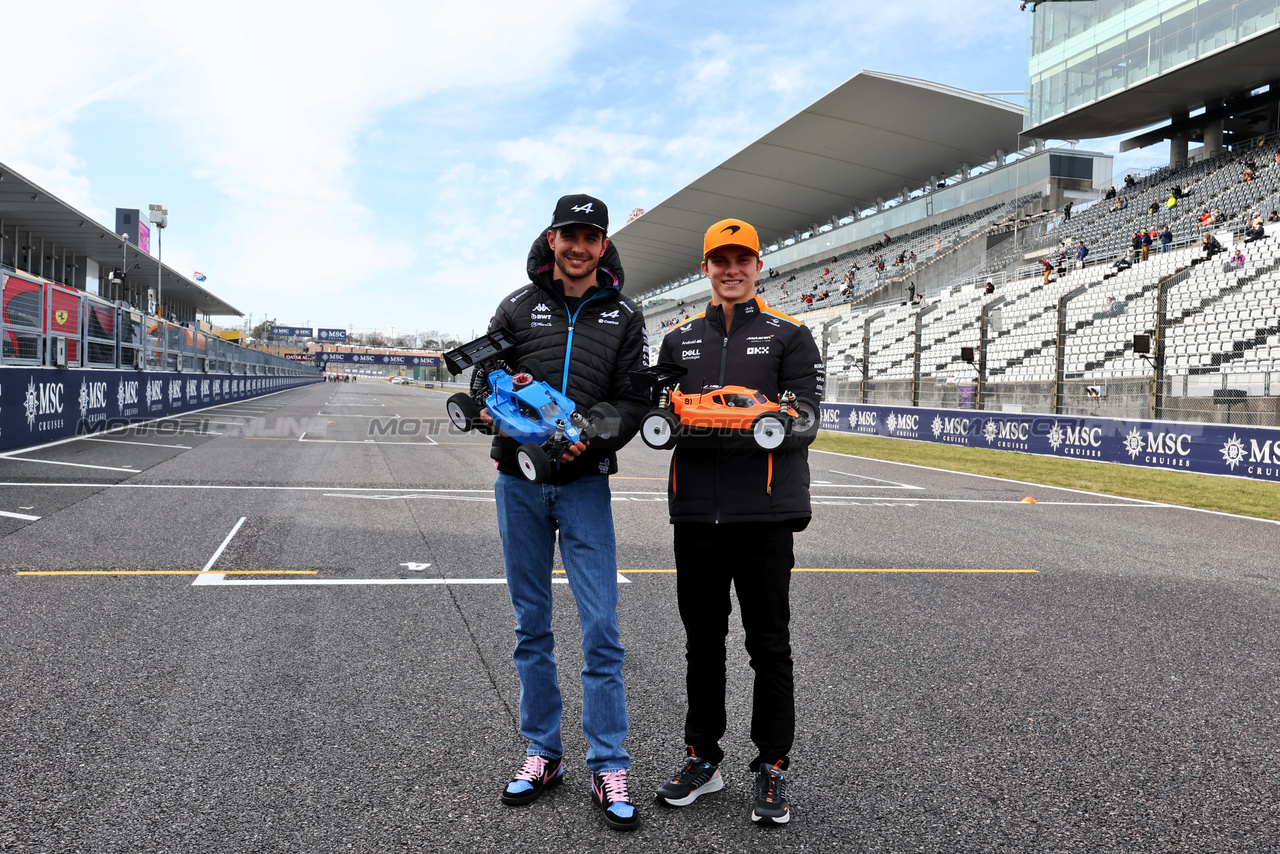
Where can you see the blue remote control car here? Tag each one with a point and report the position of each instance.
(523, 407)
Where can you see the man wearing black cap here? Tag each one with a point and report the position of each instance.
(576, 331)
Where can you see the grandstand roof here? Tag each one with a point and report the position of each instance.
(28, 206)
(1239, 68)
(870, 137)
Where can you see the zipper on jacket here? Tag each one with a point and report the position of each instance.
(568, 347)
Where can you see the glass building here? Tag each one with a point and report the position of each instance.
(1083, 52)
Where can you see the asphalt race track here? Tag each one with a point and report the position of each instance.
(287, 631)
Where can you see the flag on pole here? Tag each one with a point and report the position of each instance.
(199, 277)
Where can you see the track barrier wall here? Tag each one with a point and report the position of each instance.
(39, 405)
(1219, 449)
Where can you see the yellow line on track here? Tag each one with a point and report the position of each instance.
(989, 571)
(170, 572)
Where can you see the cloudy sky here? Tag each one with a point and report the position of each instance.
(387, 164)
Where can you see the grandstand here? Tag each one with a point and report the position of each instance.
(1173, 336)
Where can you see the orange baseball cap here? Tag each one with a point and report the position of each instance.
(730, 232)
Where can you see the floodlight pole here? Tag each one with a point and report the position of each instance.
(159, 218)
(982, 347)
(866, 352)
(915, 368)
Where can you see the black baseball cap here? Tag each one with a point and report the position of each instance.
(581, 209)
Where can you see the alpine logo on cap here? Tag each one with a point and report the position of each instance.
(732, 229)
(583, 208)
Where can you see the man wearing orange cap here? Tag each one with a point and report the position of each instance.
(735, 508)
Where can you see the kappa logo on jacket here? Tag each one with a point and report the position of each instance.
(542, 306)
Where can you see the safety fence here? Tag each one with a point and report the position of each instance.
(1231, 450)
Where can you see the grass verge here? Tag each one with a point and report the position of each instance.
(1224, 494)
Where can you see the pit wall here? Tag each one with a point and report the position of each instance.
(39, 405)
(1219, 449)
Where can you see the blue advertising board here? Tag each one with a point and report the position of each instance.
(378, 359)
(39, 405)
(1221, 449)
(331, 335)
(290, 332)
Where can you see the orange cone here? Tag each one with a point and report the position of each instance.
(1027, 500)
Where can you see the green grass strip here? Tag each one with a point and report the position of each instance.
(1224, 494)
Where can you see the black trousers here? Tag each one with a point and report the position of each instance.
(756, 559)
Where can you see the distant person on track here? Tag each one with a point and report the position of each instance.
(574, 329)
(735, 509)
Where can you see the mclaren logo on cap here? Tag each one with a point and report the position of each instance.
(732, 229)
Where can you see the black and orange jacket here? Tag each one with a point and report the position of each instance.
(735, 481)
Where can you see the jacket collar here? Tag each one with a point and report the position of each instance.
(743, 313)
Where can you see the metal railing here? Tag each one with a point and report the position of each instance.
(46, 324)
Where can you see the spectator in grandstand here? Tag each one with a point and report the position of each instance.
(1124, 262)
(1237, 259)
(575, 275)
(732, 531)
(1111, 194)
(1254, 232)
(1171, 203)
(1275, 164)
(1066, 212)
(1166, 238)
(1145, 242)
(911, 257)
(990, 288)
(1135, 243)
(1129, 180)
(1048, 268)
(1081, 252)
(1210, 246)
(1116, 206)
(1206, 218)
(1247, 175)
(1124, 202)
(1154, 208)
(1275, 217)
(911, 291)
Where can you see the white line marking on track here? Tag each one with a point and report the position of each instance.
(73, 465)
(427, 443)
(145, 444)
(133, 426)
(216, 577)
(1136, 501)
(23, 516)
(893, 483)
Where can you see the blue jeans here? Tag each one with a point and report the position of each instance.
(528, 517)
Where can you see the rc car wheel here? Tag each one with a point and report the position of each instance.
(806, 421)
(463, 411)
(769, 430)
(533, 461)
(604, 419)
(658, 430)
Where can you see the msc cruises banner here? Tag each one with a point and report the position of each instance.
(331, 335)
(290, 332)
(378, 359)
(39, 405)
(1224, 449)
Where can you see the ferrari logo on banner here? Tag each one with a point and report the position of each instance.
(60, 315)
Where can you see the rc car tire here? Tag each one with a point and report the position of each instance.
(605, 419)
(533, 462)
(807, 419)
(658, 430)
(769, 431)
(463, 411)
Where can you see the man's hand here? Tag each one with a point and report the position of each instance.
(574, 450)
(488, 420)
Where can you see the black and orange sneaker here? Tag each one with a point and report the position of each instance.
(771, 795)
(696, 777)
(609, 791)
(534, 777)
